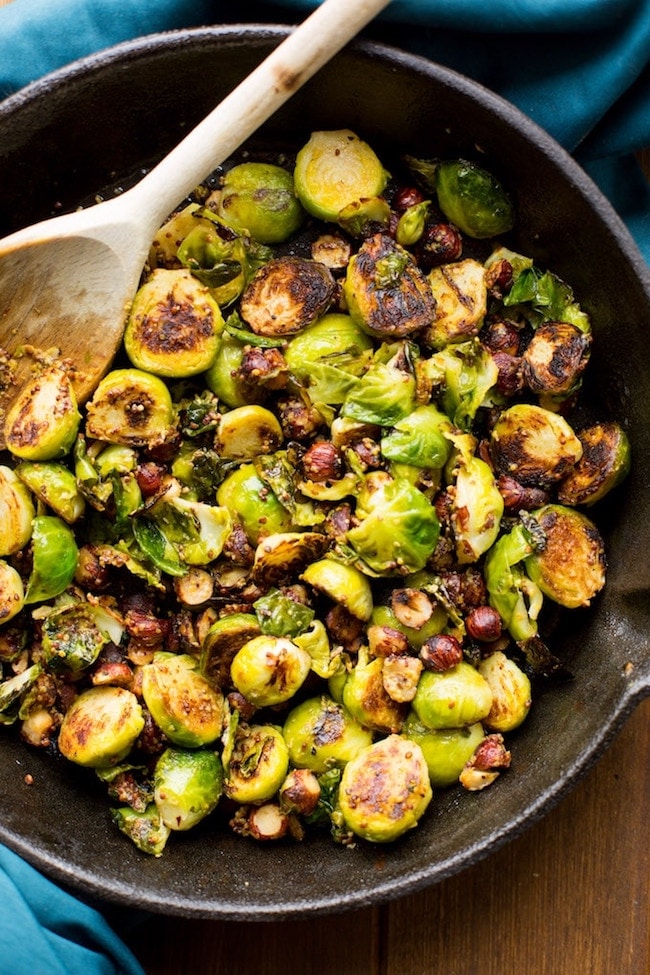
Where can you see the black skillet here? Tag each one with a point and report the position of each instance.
(93, 125)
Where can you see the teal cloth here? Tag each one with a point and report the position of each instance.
(579, 68)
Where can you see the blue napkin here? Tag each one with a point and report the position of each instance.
(579, 68)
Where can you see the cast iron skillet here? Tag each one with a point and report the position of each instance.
(93, 124)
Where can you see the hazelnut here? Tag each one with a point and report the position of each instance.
(441, 243)
(322, 462)
(483, 623)
(441, 652)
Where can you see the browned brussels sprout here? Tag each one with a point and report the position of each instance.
(386, 292)
(556, 357)
(184, 705)
(385, 790)
(286, 295)
(131, 407)
(43, 420)
(535, 445)
(460, 295)
(570, 568)
(16, 512)
(101, 726)
(174, 326)
(258, 765)
(605, 462)
(322, 734)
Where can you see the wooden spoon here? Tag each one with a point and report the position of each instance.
(66, 283)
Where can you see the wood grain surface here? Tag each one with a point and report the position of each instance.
(569, 897)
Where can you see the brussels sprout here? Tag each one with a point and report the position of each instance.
(473, 199)
(418, 439)
(328, 355)
(54, 558)
(516, 598)
(73, 638)
(605, 463)
(221, 377)
(462, 376)
(146, 829)
(131, 407)
(365, 697)
(174, 325)
(398, 528)
(326, 661)
(511, 692)
(280, 557)
(16, 512)
(249, 499)
(164, 247)
(544, 297)
(196, 530)
(385, 291)
(222, 641)
(286, 295)
(269, 670)
(445, 750)
(460, 295)
(383, 397)
(364, 217)
(533, 445)
(556, 357)
(343, 584)
(385, 790)
(452, 698)
(411, 223)
(571, 566)
(259, 199)
(321, 734)
(184, 705)
(476, 509)
(54, 485)
(43, 420)
(258, 765)
(335, 169)
(12, 592)
(280, 615)
(385, 616)
(247, 431)
(101, 726)
(187, 786)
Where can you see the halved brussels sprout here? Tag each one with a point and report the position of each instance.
(511, 692)
(533, 445)
(131, 407)
(460, 296)
(12, 592)
(221, 377)
(247, 431)
(16, 512)
(328, 355)
(269, 670)
(13, 690)
(516, 598)
(321, 734)
(386, 292)
(56, 486)
(282, 556)
(184, 705)
(445, 750)
(367, 700)
(605, 462)
(286, 295)
(196, 530)
(174, 325)
(258, 765)
(473, 199)
(571, 566)
(248, 498)
(382, 397)
(397, 528)
(335, 169)
(187, 786)
(385, 616)
(385, 790)
(54, 558)
(43, 420)
(556, 357)
(452, 698)
(222, 641)
(476, 511)
(259, 199)
(101, 726)
(343, 584)
(462, 376)
(418, 439)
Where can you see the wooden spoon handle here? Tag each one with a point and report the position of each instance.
(240, 114)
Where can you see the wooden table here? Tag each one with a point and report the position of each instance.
(569, 897)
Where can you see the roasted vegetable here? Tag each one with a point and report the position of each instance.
(16, 512)
(473, 199)
(286, 295)
(43, 420)
(259, 199)
(604, 464)
(187, 786)
(100, 726)
(184, 705)
(131, 407)
(570, 566)
(322, 734)
(536, 444)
